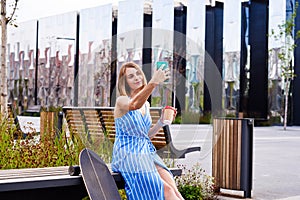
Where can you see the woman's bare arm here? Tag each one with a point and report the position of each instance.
(124, 104)
(154, 130)
(160, 123)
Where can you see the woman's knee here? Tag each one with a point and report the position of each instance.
(169, 190)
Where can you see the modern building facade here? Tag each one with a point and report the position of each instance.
(222, 57)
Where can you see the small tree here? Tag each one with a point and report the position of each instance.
(5, 20)
(286, 55)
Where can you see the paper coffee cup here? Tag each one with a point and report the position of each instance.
(169, 114)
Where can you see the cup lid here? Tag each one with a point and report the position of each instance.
(170, 107)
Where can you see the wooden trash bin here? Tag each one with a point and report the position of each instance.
(232, 155)
(48, 123)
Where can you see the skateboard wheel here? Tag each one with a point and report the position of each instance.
(74, 170)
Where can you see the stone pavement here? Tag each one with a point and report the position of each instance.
(276, 159)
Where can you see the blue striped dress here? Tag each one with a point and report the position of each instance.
(134, 156)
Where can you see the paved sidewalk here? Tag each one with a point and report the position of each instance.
(276, 159)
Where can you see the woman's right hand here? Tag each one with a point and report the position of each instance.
(160, 76)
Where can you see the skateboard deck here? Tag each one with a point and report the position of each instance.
(97, 178)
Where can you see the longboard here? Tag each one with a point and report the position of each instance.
(97, 178)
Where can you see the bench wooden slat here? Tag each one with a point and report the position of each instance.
(32, 172)
(99, 120)
(19, 181)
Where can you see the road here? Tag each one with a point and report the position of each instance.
(276, 158)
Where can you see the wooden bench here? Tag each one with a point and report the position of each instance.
(100, 121)
(11, 117)
(48, 183)
(21, 125)
(12, 121)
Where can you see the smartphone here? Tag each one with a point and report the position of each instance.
(162, 65)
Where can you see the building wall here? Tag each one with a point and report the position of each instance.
(42, 64)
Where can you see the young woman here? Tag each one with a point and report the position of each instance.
(134, 156)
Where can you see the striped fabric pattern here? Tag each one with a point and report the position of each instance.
(134, 156)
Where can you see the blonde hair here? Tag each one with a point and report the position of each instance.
(123, 88)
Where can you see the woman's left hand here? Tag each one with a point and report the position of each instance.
(160, 76)
(166, 122)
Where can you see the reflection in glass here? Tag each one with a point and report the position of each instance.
(195, 104)
(275, 91)
(231, 77)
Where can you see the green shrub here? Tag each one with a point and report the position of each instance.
(190, 192)
(177, 120)
(190, 117)
(36, 151)
(123, 194)
(47, 149)
(206, 118)
(195, 184)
